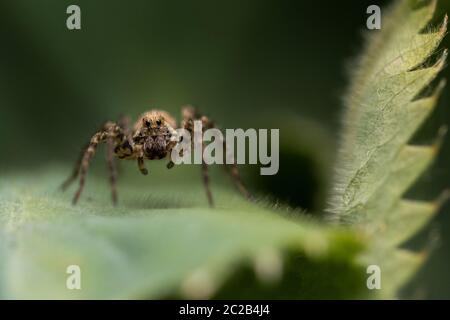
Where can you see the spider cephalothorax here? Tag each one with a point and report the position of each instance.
(155, 134)
(152, 137)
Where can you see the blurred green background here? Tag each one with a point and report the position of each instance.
(255, 63)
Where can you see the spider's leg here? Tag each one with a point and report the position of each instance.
(174, 140)
(236, 177)
(205, 176)
(141, 165)
(232, 170)
(124, 123)
(189, 115)
(110, 130)
(170, 164)
(112, 168)
(87, 156)
(75, 172)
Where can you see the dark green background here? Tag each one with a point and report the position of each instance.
(253, 63)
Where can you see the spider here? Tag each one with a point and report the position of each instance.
(152, 137)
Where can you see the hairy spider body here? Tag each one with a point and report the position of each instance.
(152, 137)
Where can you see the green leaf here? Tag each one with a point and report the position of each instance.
(385, 106)
(162, 241)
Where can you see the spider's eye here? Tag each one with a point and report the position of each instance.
(147, 123)
(158, 122)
